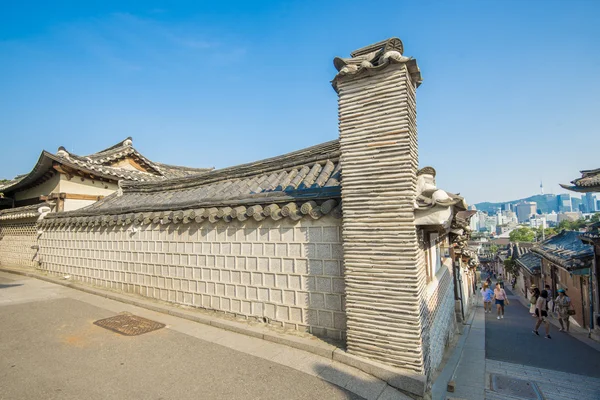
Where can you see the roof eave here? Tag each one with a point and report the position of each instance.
(581, 189)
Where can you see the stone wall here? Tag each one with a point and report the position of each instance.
(287, 272)
(385, 271)
(439, 325)
(18, 243)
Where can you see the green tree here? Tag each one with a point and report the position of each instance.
(511, 266)
(567, 225)
(522, 234)
(547, 233)
(595, 218)
(494, 249)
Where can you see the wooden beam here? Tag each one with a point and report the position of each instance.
(74, 196)
(71, 196)
(63, 170)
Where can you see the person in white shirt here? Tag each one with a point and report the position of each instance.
(542, 314)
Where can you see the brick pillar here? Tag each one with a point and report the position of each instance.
(384, 274)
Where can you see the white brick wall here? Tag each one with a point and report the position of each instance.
(289, 272)
(16, 242)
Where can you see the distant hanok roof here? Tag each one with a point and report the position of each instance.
(119, 162)
(531, 262)
(566, 250)
(589, 182)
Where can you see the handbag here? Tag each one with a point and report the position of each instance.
(571, 311)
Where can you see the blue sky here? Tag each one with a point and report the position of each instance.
(511, 93)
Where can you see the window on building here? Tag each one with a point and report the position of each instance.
(435, 261)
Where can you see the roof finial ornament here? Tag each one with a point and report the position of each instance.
(376, 57)
(128, 141)
(62, 152)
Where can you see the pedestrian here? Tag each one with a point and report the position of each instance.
(513, 282)
(501, 300)
(489, 282)
(542, 314)
(501, 281)
(487, 294)
(535, 294)
(564, 306)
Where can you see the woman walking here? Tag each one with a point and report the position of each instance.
(535, 294)
(487, 294)
(501, 300)
(564, 305)
(542, 314)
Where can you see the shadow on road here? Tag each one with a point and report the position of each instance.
(359, 388)
(4, 286)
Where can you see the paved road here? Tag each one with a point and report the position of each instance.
(51, 350)
(511, 340)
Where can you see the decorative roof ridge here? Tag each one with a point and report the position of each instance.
(183, 168)
(30, 211)
(111, 172)
(310, 155)
(375, 58)
(588, 172)
(30, 207)
(127, 142)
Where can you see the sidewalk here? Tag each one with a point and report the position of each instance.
(466, 366)
(24, 293)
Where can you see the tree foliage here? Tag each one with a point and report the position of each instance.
(494, 249)
(547, 233)
(595, 218)
(567, 225)
(522, 234)
(511, 266)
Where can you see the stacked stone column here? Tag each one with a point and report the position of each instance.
(379, 157)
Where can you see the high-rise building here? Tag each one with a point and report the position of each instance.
(590, 202)
(564, 203)
(525, 210)
(576, 204)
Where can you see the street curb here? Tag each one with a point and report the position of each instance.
(406, 381)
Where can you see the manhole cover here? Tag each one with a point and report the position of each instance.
(515, 387)
(129, 325)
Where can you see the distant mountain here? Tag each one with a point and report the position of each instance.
(546, 203)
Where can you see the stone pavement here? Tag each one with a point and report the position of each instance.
(503, 360)
(52, 350)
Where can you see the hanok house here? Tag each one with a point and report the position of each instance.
(530, 269)
(592, 237)
(63, 181)
(566, 264)
(590, 182)
(346, 240)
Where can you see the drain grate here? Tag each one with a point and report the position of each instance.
(515, 387)
(129, 324)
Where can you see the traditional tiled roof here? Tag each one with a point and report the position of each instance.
(99, 165)
(566, 250)
(22, 212)
(589, 182)
(531, 262)
(592, 234)
(300, 183)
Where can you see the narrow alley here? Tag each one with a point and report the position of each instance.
(511, 340)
